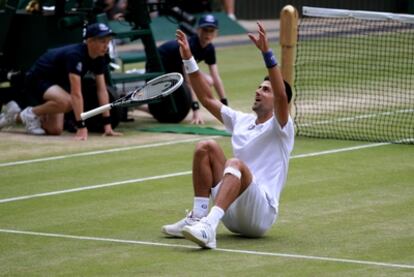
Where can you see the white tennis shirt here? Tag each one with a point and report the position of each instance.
(265, 148)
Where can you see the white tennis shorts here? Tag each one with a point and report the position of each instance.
(251, 214)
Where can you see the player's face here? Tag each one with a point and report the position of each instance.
(98, 46)
(263, 101)
(206, 35)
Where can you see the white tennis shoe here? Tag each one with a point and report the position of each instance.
(32, 122)
(201, 233)
(175, 230)
(8, 118)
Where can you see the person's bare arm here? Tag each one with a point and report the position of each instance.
(217, 82)
(196, 114)
(198, 82)
(281, 105)
(103, 99)
(77, 104)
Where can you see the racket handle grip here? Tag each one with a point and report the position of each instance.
(95, 111)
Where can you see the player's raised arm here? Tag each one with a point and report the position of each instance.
(199, 84)
(281, 105)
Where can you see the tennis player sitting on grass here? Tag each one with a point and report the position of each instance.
(246, 188)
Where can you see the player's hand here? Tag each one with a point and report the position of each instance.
(81, 134)
(184, 46)
(109, 132)
(261, 39)
(197, 120)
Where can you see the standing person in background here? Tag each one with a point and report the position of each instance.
(114, 9)
(228, 6)
(245, 189)
(202, 47)
(54, 84)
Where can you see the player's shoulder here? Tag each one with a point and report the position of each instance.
(74, 47)
(71, 50)
(235, 114)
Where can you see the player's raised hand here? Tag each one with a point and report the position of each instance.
(184, 46)
(261, 39)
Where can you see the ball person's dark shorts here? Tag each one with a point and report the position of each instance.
(36, 87)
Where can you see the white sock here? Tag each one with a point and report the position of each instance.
(200, 206)
(214, 216)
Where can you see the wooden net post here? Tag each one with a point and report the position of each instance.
(288, 40)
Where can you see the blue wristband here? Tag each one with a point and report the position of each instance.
(269, 59)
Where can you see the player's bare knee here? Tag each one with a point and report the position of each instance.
(63, 104)
(205, 146)
(200, 148)
(234, 162)
(53, 130)
(209, 79)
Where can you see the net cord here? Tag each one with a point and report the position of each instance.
(363, 15)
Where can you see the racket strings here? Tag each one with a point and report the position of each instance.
(155, 89)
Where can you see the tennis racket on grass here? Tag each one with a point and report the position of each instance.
(154, 89)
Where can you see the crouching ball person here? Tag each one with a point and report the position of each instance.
(247, 187)
(53, 84)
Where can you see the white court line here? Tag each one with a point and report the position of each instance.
(18, 198)
(333, 151)
(139, 180)
(248, 252)
(347, 119)
(98, 152)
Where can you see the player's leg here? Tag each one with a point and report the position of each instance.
(208, 78)
(251, 214)
(237, 178)
(208, 165)
(229, 7)
(56, 101)
(217, 86)
(53, 123)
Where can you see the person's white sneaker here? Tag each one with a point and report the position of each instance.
(8, 118)
(201, 233)
(4, 121)
(175, 229)
(32, 122)
(232, 16)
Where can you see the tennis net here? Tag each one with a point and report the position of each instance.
(354, 75)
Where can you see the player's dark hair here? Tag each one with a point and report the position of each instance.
(288, 88)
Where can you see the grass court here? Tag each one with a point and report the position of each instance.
(96, 208)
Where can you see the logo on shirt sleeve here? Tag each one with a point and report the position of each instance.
(79, 67)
